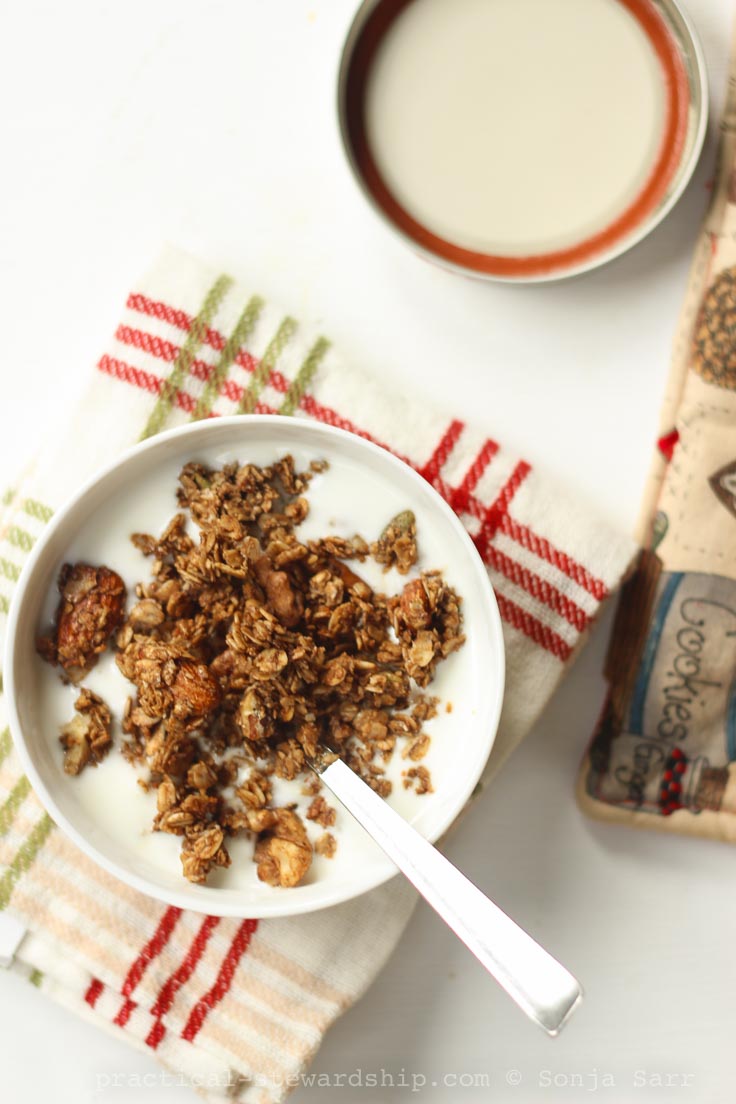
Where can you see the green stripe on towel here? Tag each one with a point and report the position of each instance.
(186, 354)
(24, 859)
(267, 363)
(304, 376)
(243, 329)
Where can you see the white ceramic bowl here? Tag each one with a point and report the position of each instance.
(364, 482)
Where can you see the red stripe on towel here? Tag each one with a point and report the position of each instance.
(533, 628)
(179, 978)
(442, 453)
(223, 982)
(541, 547)
(94, 989)
(473, 476)
(151, 949)
(499, 507)
(537, 587)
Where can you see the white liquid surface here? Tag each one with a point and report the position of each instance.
(115, 811)
(515, 126)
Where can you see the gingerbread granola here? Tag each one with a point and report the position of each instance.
(91, 607)
(247, 649)
(87, 737)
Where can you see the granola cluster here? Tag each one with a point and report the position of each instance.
(249, 648)
(86, 738)
(91, 607)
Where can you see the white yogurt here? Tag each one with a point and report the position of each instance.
(515, 126)
(347, 499)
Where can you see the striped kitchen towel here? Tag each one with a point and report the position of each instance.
(240, 1007)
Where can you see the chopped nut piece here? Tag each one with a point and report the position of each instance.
(90, 610)
(86, 738)
(253, 717)
(195, 689)
(286, 603)
(415, 605)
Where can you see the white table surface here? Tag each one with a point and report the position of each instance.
(212, 126)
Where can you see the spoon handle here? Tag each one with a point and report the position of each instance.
(540, 985)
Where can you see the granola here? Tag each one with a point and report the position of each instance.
(86, 738)
(397, 545)
(418, 779)
(247, 649)
(321, 812)
(90, 609)
(326, 845)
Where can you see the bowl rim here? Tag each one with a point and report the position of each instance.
(687, 42)
(283, 904)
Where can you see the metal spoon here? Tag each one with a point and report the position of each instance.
(540, 985)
